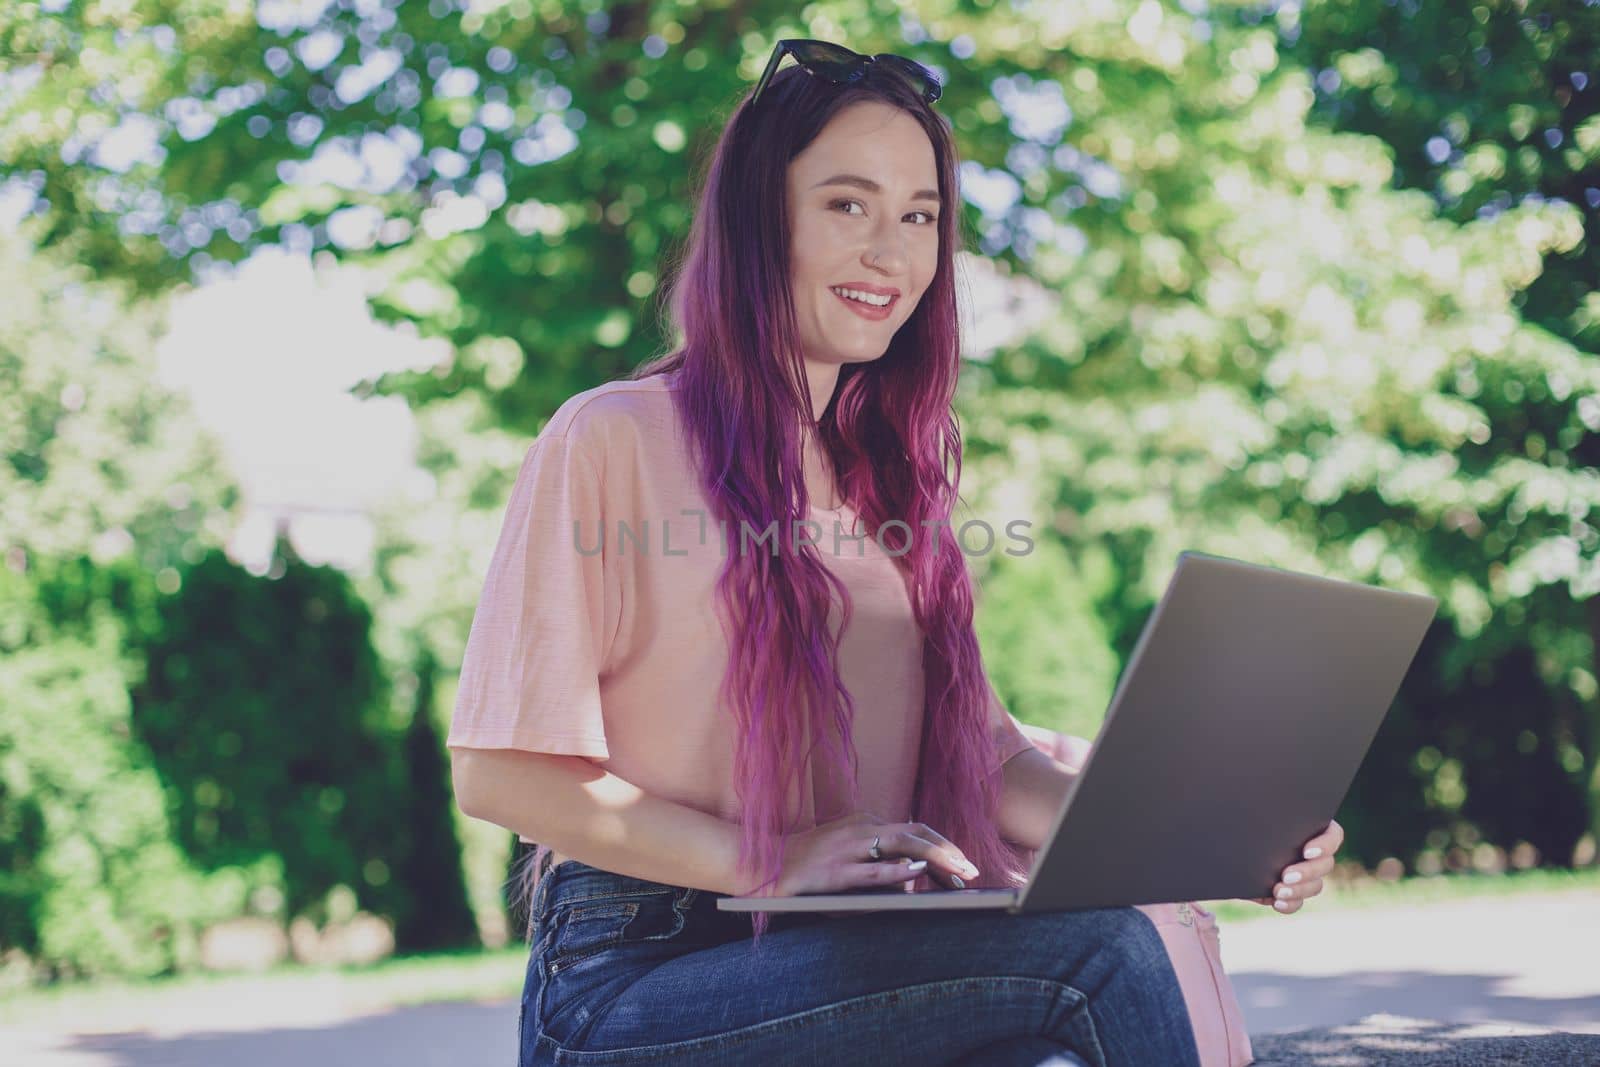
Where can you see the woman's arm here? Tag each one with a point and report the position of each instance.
(597, 818)
(1035, 786)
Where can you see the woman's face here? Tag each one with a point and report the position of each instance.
(864, 209)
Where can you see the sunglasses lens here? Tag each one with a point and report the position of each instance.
(829, 60)
(925, 81)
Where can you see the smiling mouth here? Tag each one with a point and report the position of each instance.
(875, 312)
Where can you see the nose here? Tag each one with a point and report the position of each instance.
(886, 252)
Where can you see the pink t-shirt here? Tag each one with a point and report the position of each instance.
(616, 655)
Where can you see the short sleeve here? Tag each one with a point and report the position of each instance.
(1009, 740)
(541, 633)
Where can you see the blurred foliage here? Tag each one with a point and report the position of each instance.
(97, 886)
(435, 913)
(107, 489)
(112, 857)
(1267, 351)
(1486, 106)
(261, 706)
(23, 882)
(1319, 291)
(97, 458)
(1483, 105)
(266, 710)
(1050, 653)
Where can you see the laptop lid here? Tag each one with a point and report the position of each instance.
(1233, 736)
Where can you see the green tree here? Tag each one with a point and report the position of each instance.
(100, 459)
(1486, 107)
(108, 485)
(436, 913)
(97, 884)
(1285, 359)
(262, 704)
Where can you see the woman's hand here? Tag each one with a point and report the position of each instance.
(1301, 881)
(836, 856)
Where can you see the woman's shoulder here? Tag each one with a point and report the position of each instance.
(612, 414)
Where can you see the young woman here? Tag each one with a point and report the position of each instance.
(725, 647)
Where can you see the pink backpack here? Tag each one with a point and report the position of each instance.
(1190, 934)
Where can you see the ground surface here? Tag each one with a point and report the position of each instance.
(1482, 981)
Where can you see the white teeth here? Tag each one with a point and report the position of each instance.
(865, 298)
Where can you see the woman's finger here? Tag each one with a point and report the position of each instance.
(1326, 843)
(1298, 891)
(923, 842)
(1306, 871)
(899, 845)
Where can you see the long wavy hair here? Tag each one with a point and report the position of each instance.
(895, 445)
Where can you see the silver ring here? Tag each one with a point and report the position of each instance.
(873, 851)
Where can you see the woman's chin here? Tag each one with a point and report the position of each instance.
(858, 355)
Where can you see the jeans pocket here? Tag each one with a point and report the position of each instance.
(585, 929)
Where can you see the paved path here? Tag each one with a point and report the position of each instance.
(1519, 959)
(1396, 1041)
(1437, 985)
(430, 1035)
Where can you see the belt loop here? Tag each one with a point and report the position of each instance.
(540, 892)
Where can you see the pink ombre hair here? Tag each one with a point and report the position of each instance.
(895, 442)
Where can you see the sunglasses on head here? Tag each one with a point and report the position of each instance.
(841, 66)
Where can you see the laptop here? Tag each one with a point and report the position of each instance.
(1233, 735)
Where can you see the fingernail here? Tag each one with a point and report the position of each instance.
(1291, 878)
(969, 870)
(1282, 905)
(1284, 893)
(917, 866)
(1313, 852)
(958, 882)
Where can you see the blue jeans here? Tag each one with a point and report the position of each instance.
(628, 971)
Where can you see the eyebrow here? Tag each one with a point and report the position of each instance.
(873, 187)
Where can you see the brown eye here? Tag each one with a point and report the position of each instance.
(932, 218)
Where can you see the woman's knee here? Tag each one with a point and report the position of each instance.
(1140, 934)
(1139, 944)
(1124, 932)
(1119, 953)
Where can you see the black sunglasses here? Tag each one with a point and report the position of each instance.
(841, 66)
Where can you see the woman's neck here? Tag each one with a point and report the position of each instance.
(822, 484)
